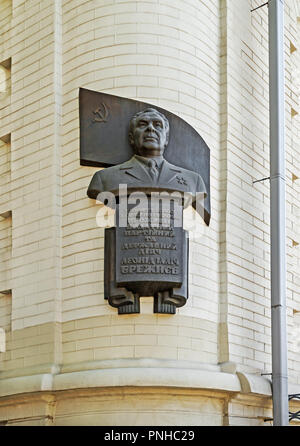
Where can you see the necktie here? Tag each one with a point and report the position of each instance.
(152, 169)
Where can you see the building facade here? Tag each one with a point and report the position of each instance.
(68, 358)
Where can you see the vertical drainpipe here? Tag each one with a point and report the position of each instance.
(277, 204)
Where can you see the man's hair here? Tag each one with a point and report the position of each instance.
(145, 112)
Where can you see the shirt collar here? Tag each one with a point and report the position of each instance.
(144, 160)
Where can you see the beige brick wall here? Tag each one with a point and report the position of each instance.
(5, 176)
(33, 348)
(5, 311)
(138, 336)
(5, 252)
(5, 272)
(151, 52)
(31, 117)
(293, 188)
(245, 249)
(245, 312)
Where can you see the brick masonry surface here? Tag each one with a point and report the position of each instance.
(206, 61)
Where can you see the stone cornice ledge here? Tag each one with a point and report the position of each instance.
(256, 384)
(148, 377)
(141, 373)
(127, 372)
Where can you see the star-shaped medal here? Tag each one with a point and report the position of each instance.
(181, 180)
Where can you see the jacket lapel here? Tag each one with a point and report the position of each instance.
(135, 170)
(168, 173)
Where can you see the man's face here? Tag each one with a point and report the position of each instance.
(149, 135)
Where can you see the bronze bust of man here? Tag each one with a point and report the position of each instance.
(147, 169)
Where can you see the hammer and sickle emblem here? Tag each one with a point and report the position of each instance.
(101, 114)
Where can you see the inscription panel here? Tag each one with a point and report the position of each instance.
(149, 257)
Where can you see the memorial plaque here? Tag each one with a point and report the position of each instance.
(148, 255)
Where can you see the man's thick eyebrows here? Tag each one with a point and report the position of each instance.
(142, 119)
(146, 118)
